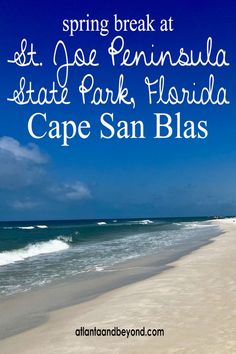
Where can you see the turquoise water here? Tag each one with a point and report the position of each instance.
(33, 254)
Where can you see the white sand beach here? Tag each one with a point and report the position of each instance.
(194, 301)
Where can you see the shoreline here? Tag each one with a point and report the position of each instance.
(187, 297)
(32, 308)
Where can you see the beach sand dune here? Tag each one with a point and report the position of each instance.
(194, 301)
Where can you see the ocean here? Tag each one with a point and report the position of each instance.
(34, 254)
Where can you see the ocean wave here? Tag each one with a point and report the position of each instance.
(194, 225)
(99, 269)
(101, 223)
(25, 227)
(144, 222)
(32, 250)
(31, 227)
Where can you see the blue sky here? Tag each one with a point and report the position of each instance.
(97, 178)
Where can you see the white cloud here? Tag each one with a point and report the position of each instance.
(26, 181)
(21, 166)
(23, 205)
(71, 191)
(29, 152)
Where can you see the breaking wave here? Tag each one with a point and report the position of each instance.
(32, 250)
